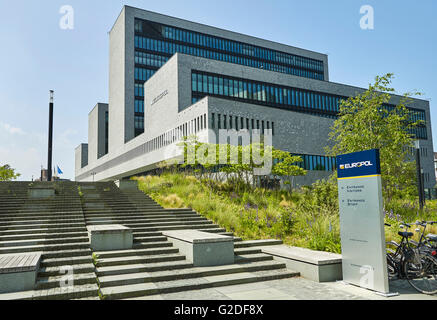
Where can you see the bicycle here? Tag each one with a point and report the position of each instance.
(414, 261)
(421, 269)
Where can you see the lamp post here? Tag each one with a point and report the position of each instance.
(419, 171)
(49, 157)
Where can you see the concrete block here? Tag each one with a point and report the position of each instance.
(110, 237)
(203, 248)
(41, 192)
(318, 266)
(18, 272)
(128, 185)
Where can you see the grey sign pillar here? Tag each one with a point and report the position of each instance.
(364, 260)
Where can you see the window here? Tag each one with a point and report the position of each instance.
(194, 81)
(216, 85)
(315, 103)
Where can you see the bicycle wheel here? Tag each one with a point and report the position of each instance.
(421, 271)
(392, 260)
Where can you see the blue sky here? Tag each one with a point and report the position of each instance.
(37, 55)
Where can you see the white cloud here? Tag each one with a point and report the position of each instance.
(11, 130)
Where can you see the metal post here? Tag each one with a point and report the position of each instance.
(419, 178)
(49, 158)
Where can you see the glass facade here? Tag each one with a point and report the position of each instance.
(245, 90)
(156, 43)
(314, 162)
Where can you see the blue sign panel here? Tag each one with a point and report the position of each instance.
(363, 163)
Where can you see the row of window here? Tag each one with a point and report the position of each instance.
(321, 163)
(423, 152)
(321, 104)
(419, 132)
(235, 47)
(139, 122)
(149, 59)
(254, 91)
(171, 48)
(219, 121)
(139, 90)
(414, 114)
(139, 106)
(143, 74)
(188, 128)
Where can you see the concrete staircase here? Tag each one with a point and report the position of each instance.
(57, 227)
(54, 226)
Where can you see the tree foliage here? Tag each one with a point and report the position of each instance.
(367, 122)
(286, 166)
(7, 173)
(240, 165)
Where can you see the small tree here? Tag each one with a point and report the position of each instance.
(287, 166)
(7, 173)
(367, 122)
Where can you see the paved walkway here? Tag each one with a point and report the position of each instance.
(293, 289)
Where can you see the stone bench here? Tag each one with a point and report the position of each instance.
(318, 266)
(203, 248)
(108, 237)
(18, 271)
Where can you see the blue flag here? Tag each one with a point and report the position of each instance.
(59, 170)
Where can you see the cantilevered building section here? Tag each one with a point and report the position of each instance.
(170, 78)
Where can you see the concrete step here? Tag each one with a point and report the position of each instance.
(145, 227)
(146, 234)
(76, 292)
(39, 226)
(143, 289)
(43, 230)
(134, 252)
(38, 222)
(248, 250)
(31, 209)
(156, 215)
(56, 281)
(35, 242)
(249, 258)
(20, 217)
(150, 239)
(66, 261)
(120, 261)
(43, 236)
(158, 276)
(143, 217)
(257, 243)
(60, 270)
(150, 267)
(213, 230)
(145, 223)
(69, 253)
(47, 247)
(146, 245)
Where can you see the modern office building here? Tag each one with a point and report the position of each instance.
(170, 78)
